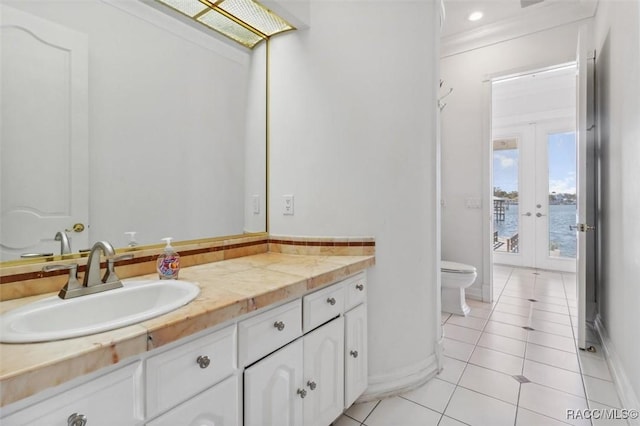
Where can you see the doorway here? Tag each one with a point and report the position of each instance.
(534, 169)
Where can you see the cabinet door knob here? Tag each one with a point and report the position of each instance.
(360, 287)
(302, 393)
(77, 420)
(331, 301)
(279, 325)
(312, 385)
(354, 354)
(203, 361)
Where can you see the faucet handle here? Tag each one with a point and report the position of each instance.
(110, 276)
(72, 267)
(113, 259)
(72, 284)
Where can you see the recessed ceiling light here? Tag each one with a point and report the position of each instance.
(475, 16)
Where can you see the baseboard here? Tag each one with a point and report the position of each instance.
(401, 381)
(628, 398)
(474, 293)
(481, 293)
(486, 292)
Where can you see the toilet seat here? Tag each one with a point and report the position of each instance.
(456, 268)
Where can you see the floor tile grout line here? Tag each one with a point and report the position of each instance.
(527, 342)
(575, 342)
(468, 362)
(370, 412)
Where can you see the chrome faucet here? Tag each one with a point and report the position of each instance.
(92, 273)
(65, 246)
(92, 282)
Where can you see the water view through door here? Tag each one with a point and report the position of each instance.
(535, 196)
(534, 171)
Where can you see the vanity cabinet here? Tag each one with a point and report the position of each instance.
(313, 379)
(300, 384)
(110, 399)
(298, 364)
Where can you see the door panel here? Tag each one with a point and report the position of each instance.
(535, 162)
(270, 389)
(44, 131)
(355, 354)
(555, 199)
(513, 210)
(324, 373)
(586, 187)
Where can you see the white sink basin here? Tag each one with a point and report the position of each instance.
(53, 318)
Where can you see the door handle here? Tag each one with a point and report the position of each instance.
(582, 227)
(77, 227)
(526, 214)
(540, 214)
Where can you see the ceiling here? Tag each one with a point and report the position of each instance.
(506, 18)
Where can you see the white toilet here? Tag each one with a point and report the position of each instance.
(455, 278)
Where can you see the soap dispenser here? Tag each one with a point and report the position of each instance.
(132, 238)
(168, 264)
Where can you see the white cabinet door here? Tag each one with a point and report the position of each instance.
(355, 361)
(112, 399)
(324, 373)
(217, 406)
(271, 389)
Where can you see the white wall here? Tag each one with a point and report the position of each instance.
(167, 116)
(617, 43)
(353, 138)
(255, 163)
(465, 133)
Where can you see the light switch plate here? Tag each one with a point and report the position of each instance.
(255, 199)
(287, 205)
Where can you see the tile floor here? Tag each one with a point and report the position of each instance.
(485, 350)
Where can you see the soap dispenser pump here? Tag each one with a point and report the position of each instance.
(168, 264)
(132, 238)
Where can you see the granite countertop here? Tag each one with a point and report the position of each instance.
(228, 289)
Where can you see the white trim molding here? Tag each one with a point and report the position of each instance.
(183, 27)
(628, 398)
(403, 380)
(560, 13)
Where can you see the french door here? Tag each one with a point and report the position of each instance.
(534, 172)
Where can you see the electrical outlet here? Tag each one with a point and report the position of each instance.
(255, 199)
(287, 205)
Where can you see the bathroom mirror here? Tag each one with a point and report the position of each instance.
(120, 118)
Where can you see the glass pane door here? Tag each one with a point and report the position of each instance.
(561, 151)
(506, 158)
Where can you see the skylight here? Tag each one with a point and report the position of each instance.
(244, 21)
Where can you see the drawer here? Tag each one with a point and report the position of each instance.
(181, 372)
(321, 306)
(220, 403)
(356, 290)
(108, 400)
(266, 332)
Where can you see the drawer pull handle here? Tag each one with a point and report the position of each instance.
(360, 287)
(302, 393)
(279, 325)
(312, 385)
(77, 420)
(203, 361)
(331, 301)
(354, 354)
